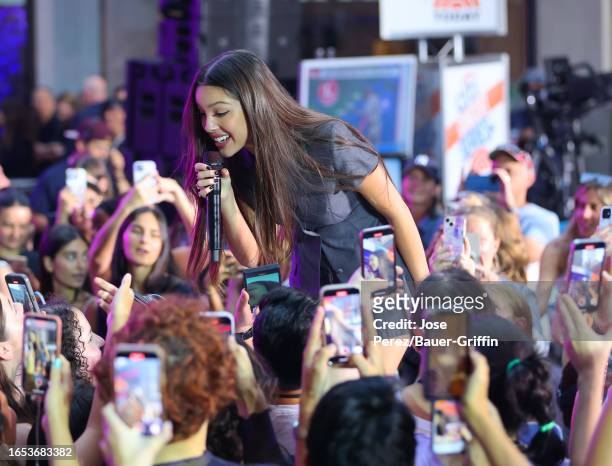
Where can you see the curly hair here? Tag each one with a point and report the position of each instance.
(200, 371)
(72, 347)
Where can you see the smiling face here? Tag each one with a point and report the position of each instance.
(69, 266)
(142, 241)
(222, 118)
(587, 211)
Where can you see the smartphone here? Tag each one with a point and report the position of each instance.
(447, 428)
(143, 168)
(447, 365)
(454, 231)
(343, 320)
(606, 217)
(42, 342)
(259, 280)
(474, 241)
(76, 182)
(378, 253)
(138, 378)
(21, 291)
(222, 320)
(586, 262)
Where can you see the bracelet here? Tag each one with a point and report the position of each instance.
(244, 335)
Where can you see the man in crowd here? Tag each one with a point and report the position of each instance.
(516, 173)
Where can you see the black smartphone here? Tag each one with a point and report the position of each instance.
(42, 342)
(447, 428)
(447, 364)
(138, 378)
(378, 253)
(586, 262)
(605, 217)
(259, 280)
(343, 320)
(222, 320)
(21, 291)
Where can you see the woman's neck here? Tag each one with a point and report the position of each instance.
(192, 447)
(66, 292)
(139, 276)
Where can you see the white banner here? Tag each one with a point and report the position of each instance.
(414, 19)
(475, 117)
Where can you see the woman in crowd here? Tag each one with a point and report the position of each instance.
(63, 251)
(81, 348)
(135, 239)
(589, 199)
(292, 169)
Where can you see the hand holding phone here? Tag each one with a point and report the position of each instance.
(343, 320)
(21, 291)
(586, 262)
(259, 280)
(447, 428)
(42, 337)
(138, 378)
(378, 253)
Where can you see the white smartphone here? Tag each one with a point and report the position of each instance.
(76, 182)
(143, 168)
(606, 217)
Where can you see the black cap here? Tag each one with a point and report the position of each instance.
(425, 163)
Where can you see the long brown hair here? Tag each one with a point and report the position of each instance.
(279, 130)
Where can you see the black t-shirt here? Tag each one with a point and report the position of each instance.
(326, 243)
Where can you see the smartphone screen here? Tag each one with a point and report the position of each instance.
(20, 290)
(222, 320)
(447, 428)
(137, 384)
(343, 320)
(259, 280)
(454, 231)
(41, 344)
(587, 261)
(447, 365)
(378, 254)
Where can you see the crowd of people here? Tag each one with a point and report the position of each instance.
(128, 264)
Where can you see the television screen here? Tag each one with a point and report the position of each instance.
(374, 94)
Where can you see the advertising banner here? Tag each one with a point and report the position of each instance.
(475, 116)
(415, 19)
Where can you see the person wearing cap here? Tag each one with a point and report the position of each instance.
(95, 139)
(421, 190)
(516, 173)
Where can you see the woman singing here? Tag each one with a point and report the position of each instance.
(295, 182)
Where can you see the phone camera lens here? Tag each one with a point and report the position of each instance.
(607, 213)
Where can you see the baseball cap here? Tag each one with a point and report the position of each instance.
(425, 163)
(514, 152)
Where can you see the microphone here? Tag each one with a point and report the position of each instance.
(213, 205)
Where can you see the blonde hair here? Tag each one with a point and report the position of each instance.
(512, 258)
(505, 297)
